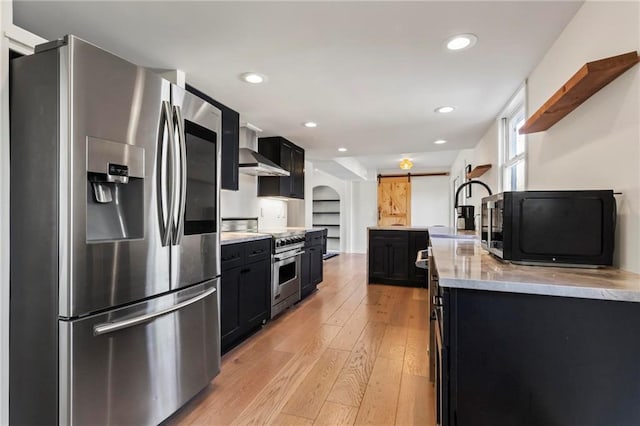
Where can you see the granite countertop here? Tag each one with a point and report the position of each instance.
(447, 232)
(396, 228)
(463, 263)
(241, 237)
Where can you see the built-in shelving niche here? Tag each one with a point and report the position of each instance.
(326, 214)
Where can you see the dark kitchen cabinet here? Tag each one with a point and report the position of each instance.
(312, 263)
(255, 293)
(245, 289)
(392, 256)
(230, 141)
(291, 158)
(525, 359)
(316, 265)
(230, 304)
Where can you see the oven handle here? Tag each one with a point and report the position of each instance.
(280, 259)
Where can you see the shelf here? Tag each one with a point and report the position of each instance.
(325, 212)
(324, 200)
(592, 77)
(478, 171)
(324, 224)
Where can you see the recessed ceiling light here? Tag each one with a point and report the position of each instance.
(444, 109)
(342, 149)
(310, 124)
(439, 141)
(253, 77)
(461, 41)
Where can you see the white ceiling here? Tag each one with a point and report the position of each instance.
(370, 73)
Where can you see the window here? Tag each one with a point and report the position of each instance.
(513, 159)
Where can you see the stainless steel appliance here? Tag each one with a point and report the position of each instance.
(115, 247)
(287, 258)
(550, 227)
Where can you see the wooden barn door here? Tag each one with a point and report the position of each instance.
(394, 201)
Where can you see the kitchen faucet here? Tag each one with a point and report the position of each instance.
(465, 218)
(479, 182)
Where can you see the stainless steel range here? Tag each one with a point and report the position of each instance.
(286, 268)
(286, 260)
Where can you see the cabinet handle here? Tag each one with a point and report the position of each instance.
(244, 270)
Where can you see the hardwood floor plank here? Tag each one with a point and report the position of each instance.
(418, 314)
(415, 402)
(416, 357)
(308, 398)
(394, 343)
(341, 315)
(336, 414)
(381, 396)
(352, 382)
(234, 389)
(420, 294)
(270, 401)
(289, 420)
(348, 336)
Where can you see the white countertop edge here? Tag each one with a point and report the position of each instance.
(244, 239)
(543, 289)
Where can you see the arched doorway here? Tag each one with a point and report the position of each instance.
(326, 214)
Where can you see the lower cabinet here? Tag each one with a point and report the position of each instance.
(245, 290)
(392, 256)
(312, 263)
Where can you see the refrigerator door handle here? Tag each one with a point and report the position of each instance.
(182, 147)
(165, 167)
(110, 327)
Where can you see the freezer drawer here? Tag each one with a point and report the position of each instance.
(138, 364)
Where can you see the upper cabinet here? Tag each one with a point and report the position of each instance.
(290, 157)
(230, 141)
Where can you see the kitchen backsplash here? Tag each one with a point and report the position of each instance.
(272, 214)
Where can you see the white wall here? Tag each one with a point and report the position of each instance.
(364, 213)
(430, 200)
(244, 201)
(597, 146)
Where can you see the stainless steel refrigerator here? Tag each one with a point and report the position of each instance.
(115, 264)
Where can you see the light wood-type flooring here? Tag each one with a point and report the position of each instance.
(351, 353)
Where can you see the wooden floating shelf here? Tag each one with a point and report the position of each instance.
(478, 171)
(592, 77)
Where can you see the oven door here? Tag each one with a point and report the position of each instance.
(286, 276)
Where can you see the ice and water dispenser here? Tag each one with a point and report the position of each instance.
(115, 191)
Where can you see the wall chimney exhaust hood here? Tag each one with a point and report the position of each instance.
(256, 164)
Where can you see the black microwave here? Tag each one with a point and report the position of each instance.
(550, 227)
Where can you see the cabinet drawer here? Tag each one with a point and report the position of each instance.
(257, 250)
(231, 256)
(396, 235)
(313, 238)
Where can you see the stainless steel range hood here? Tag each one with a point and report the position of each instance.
(256, 164)
(252, 162)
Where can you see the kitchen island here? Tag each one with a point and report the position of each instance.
(532, 345)
(392, 253)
